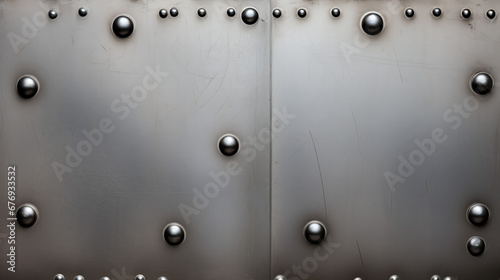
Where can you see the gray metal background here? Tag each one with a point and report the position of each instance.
(108, 214)
(354, 115)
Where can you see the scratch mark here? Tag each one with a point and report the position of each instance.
(104, 48)
(320, 176)
(397, 62)
(357, 131)
(360, 256)
(218, 88)
(426, 188)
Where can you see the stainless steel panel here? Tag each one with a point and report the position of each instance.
(106, 216)
(375, 143)
(361, 102)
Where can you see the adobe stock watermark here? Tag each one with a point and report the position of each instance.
(29, 26)
(221, 179)
(310, 264)
(360, 40)
(454, 116)
(121, 107)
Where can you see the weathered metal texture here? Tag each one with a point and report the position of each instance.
(143, 149)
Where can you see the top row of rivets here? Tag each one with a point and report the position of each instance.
(250, 13)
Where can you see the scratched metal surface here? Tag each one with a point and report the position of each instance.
(106, 217)
(360, 103)
(344, 108)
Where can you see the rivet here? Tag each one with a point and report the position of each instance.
(27, 86)
(250, 16)
(277, 13)
(123, 26)
(78, 277)
(394, 277)
(478, 214)
(476, 246)
(228, 144)
(139, 277)
(174, 234)
(52, 14)
(491, 14)
(466, 13)
(174, 12)
(409, 12)
(302, 13)
(435, 277)
(481, 83)
(335, 12)
(280, 277)
(202, 12)
(436, 12)
(163, 13)
(372, 23)
(231, 12)
(315, 231)
(59, 277)
(82, 12)
(27, 215)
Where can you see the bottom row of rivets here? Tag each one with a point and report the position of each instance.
(393, 277)
(79, 277)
